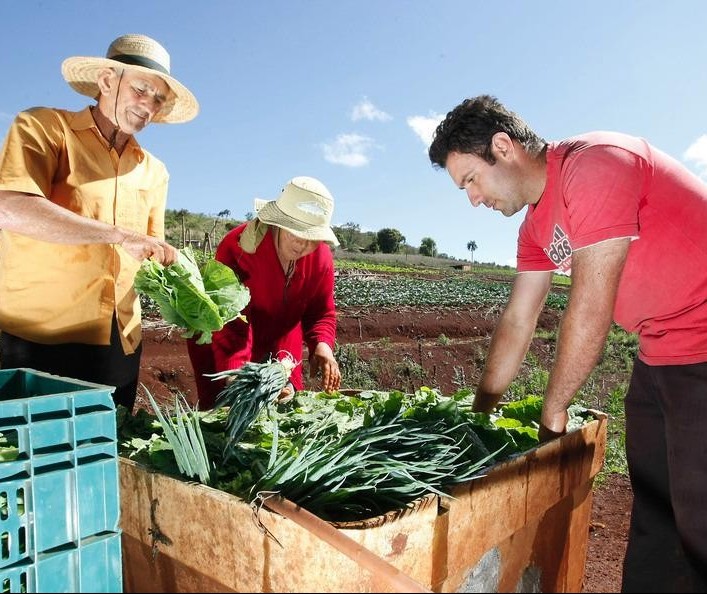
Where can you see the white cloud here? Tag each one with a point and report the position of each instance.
(365, 110)
(425, 126)
(350, 150)
(697, 153)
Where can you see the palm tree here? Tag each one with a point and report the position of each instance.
(472, 247)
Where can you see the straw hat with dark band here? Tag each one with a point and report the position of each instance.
(137, 52)
(304, 208)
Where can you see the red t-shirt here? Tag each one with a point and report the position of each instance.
(606, 185)
(280, 316)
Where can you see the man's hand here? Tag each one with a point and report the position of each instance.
(142, 247)
(552, 425)
(545, 434)
(323, 360)
(485, 402)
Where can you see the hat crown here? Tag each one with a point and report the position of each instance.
(134, 48)
(141, 53)
(304, 208)
(307, 200)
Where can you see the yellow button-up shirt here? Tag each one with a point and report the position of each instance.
(55, 293)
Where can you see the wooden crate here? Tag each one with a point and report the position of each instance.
(524, 526)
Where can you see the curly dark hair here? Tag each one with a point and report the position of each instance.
(470, 126)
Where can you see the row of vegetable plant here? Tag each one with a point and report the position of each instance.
(397, 290)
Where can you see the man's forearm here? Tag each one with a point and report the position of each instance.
(39, 218)
(509, 345)
(581, 340)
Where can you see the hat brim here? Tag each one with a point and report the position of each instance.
(270, 213)
(81, 72)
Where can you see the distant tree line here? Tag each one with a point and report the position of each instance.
(385, 241)
(200, 231)
(205, 231)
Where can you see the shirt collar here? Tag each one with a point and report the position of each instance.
(84, 121)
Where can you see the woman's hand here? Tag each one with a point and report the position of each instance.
(323, 360)
(287, 393)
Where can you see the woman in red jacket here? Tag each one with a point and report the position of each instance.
(283, 257)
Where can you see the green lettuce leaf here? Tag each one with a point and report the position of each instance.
(226, 291)
(198, 301)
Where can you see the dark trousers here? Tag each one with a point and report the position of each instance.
(107, 365)
(666, 446)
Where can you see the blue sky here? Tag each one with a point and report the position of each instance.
(349, 91)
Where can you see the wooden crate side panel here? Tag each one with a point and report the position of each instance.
(405, 544)
(555, 548)
(211, 542)
(204, 536)
(440, 548)
(300, 562)
(306, 563)
(545, 555)
(484, 512)
(598, 433)
(516, 495)
(558, 467)
(142, 573)
(578, 538)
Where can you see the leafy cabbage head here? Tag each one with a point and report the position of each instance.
(200, 301)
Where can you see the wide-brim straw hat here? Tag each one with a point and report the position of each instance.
(304, 208)
(137, 52)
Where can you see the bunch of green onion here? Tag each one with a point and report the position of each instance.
(248, 390)
(377, 467)
(183, 432)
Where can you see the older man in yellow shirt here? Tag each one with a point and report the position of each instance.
(81, 205)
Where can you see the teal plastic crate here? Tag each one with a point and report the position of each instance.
(94, 566)
(59, 485)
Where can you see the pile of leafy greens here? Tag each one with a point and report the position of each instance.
(200, 301)
(347, 457)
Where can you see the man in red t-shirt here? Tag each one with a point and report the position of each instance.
(629, 223)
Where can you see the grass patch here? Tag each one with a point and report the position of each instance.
(443, 340)
(354, 370)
